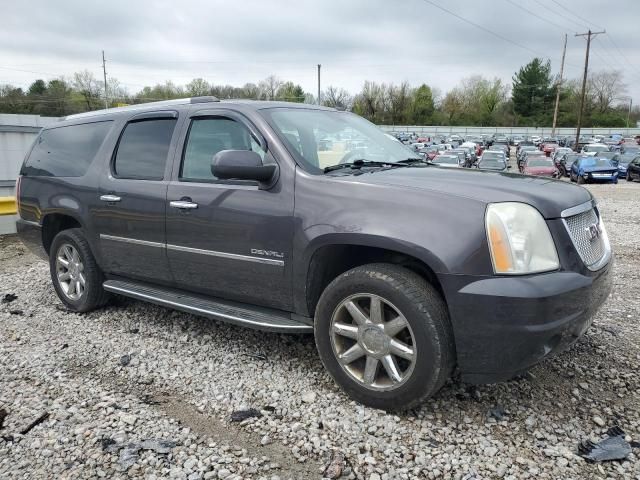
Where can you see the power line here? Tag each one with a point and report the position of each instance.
(573, 13)
(571, 20)
(535, 14)
(486, 30)
(622, 54)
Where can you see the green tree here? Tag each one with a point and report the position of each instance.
(289, 92)
(39, 87)
(533, 93)
(198, 87)
(12, 100)
(423, 106)
(56, 99)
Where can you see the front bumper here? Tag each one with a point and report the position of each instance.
(504, 325)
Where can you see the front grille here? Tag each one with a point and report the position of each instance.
(591, 250)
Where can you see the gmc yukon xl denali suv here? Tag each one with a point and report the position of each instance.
(295, 218)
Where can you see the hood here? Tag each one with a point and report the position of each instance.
(540, 170)
(549, 196)
(599, 169)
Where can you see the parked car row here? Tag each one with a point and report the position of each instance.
(543, 142)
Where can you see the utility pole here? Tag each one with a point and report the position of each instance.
(555, 110)
(319, 83)
(589, 34)
(629, 114)
(104, 72)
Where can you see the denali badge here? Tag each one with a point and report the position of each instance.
(594, 231)
(267, 253)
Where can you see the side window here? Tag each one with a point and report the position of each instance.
(208, 136)
(66, 151)
(143, 148)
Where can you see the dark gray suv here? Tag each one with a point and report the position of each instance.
(295, 218)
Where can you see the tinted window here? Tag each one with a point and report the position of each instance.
(143, 148)
(208, 136)
(66, 151)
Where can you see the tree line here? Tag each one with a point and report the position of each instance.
(476, 101)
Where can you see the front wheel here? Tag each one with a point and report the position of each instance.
(383, 333)
(562, 172)
(76, 276)
(629, 179)
(580, 180)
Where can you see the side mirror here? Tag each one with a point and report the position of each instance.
(241, 165)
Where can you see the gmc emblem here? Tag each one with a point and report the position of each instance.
(594, 231)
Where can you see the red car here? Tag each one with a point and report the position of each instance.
(540, 166)
(549, 148)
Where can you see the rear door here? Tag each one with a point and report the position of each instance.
(130, 219)
(229, 239)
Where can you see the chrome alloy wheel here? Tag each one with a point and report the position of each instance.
(70, 272)
(373, 342)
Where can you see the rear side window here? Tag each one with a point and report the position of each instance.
(66, 151)
(143, 149)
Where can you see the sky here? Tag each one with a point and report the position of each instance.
(234, 42)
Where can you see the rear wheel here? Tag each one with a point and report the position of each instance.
(383, 333)
(76, 276)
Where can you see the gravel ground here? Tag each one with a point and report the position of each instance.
(111, 383)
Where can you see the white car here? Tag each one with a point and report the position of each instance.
(592, 149)
(447, 161)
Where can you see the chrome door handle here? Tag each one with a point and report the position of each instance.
(182, 204)
(110, 198)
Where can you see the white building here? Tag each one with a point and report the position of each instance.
(17, 133)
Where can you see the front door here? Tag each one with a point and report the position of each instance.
(130, 217)
(229, 239)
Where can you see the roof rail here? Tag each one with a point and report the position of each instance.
(135, 107)
(204, 99)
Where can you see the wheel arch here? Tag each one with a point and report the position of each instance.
(333, 254)
(55, 222)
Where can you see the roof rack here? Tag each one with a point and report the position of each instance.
(143, 106)
(204, 99)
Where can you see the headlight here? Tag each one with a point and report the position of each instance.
(519, 239)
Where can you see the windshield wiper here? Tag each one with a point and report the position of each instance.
(412, 161)
(359, 163)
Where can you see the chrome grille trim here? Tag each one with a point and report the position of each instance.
(596, 252)
(583, 207)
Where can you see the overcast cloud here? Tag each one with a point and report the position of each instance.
(244, 41)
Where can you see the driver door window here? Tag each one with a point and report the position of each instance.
(208, 136)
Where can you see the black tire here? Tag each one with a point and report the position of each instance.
(94, 295)
(629, 178)
(427, 316)
(580, 180)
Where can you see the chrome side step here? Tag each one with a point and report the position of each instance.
(259, 318)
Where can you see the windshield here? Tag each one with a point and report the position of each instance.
(539, 162)
(596, 148)
(446, 159)
(569, 159)
(595, 162)
(349, 136)
(492, 156)
(493, 163)
(627, 158)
